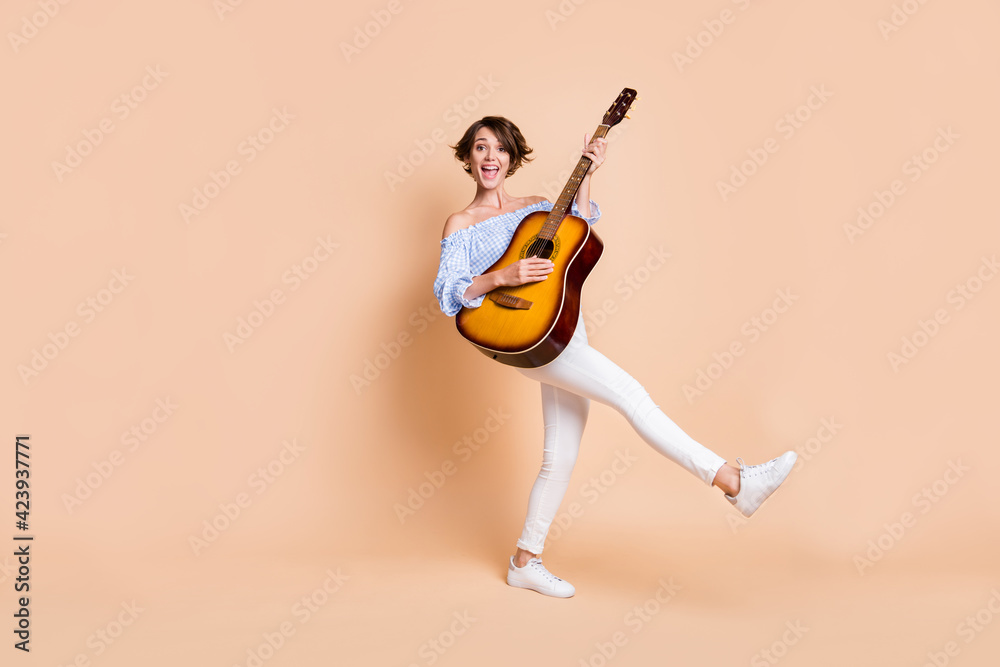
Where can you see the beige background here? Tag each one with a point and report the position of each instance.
(359, 449)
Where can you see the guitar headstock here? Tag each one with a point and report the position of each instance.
(620, 107)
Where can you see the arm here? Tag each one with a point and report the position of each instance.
(595, 212)
(583, 197)
(455, 286)
(529, 269)
(595, 150)
(482, 284)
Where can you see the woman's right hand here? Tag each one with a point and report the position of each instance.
(527, 270)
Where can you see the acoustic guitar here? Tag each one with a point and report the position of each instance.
(529, 325)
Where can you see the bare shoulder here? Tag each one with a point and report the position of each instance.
(456, 221)
(473, 215)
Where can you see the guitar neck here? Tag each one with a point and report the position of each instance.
(565, 201)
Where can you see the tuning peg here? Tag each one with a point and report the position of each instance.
(629, 117)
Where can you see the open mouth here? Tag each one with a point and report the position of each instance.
(490, 171)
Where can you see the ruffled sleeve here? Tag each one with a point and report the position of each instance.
(594, 208)
(454, 275)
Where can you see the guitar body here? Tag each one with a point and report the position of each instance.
(533, 336)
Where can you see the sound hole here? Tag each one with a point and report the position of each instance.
(541, 249)
(536, 247)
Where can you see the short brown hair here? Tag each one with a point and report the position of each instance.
(507, 133)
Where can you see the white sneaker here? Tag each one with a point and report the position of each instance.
(760, 481)
(534, 576)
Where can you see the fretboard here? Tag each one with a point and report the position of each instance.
(565, 201)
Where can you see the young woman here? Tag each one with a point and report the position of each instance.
(492, 149)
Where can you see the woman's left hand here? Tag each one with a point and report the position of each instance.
(595, 150)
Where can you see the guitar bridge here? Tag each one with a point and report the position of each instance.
(510, 301)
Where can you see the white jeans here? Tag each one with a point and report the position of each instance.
(577, 376)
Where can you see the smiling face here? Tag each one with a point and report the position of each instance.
(488, 159)
(492, 141)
